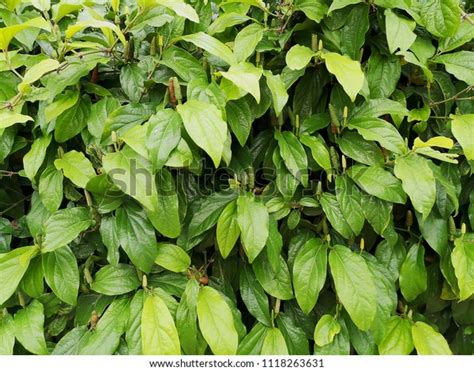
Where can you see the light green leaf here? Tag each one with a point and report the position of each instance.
(38, 70)
(428, 341)
(13, 266)
(76, 167)
(212, 46)
(397, 339)
(462, 127)
(252, 218)
(227, 231)
(246, 41)
(274, 343)
(464, 34)
(216, 322)
(8, 118)
(9, 32)
(95, 23)
(7, 335)
(43, 5)
(339, 4)
(225, 21)
(64, 226)
(62, 274)
(313, 9)
(51, 188)
(172, 257)
(309, 273)
(180, 8)
(354, 285)
(422, 187)
(399, 30)
(463, 262)
(326, 329)
(350, 202)
(298, 57)
(159, 333)
(29, 328)
(348, 73)
(33, 160)
(245, 76)
(204, 124)
(413, 275)
(61, 104)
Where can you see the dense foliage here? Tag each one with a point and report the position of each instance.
(238, 177)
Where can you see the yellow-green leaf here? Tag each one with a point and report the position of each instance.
(347, 72)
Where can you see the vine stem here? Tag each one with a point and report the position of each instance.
(454, 97)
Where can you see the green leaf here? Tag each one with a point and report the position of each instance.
(216, 322)
(333, 213)
(413, 275)
(33, 160)
(326, 329)
(50, 188)
(252, 219)
(172, 257)
(254, 296)
(62, 274)
(397, 339)
(204, 124)
(136, 236)
(253, 342)
(240, 117)
(13, 266)
(298, 57)
(9, 118)
(115, 279)
(245, 76)
(380, 131)
(159, 334)
(463, 262)
(212, 46)
(64, 226)
(378, 182)
(318, 150)
(463, 131)
(356, 147)
(76, 167)
(400, 33)
(350, 202)
(293, 154)
(246, 41)
(313, 9)
(422, 188)
(278, 90)
(228, 230)
(183, 63)
(464, 34)
(225, 21)
(460, 64)
(37, 71)
(339, 4)
(441, 17)
(295, 337)
(274, 343)
(163, 135)
(7, 335)
(72, 121)
(383, 74)
(29, 331)
(186, 319)
(180, 8)
(354, 285)
(348, 73)
(276, 282)
(309, 273)
(132, 80)
(9, 32)
(428, 341)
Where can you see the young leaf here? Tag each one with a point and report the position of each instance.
(428, 341)
(298, 57)
(29, 323)
(274, 343)
(172, 257)
(216, 322)
(228, 231)
(7, 335)
(397, 339)
(347, 72)
(76, 167)
(212, 46)
(245, 76)
(326, 329)
(159, 334)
